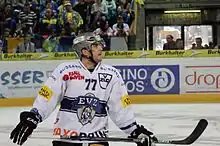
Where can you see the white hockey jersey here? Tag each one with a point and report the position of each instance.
(86, 99)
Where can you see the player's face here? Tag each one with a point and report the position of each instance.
(97, 52)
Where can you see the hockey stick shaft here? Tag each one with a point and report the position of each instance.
(197, 132)
(201, 126)
(99, 139)
(116, 139)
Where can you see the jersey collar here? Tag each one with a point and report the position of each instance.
(96, 68)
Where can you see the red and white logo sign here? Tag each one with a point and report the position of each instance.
(201, 79)
(75, 75)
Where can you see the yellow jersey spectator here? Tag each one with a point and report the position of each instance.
(48, 23)
(71, 20)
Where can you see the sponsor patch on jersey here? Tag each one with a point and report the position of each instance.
(46, 92)
(104, 79)
(125, 101)
(75, 75)
(69, 67)
(66, 133)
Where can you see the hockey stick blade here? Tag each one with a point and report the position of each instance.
(197, 132)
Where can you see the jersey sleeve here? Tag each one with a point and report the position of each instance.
(50, 94)
(119, 107)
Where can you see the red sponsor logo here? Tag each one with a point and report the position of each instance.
(64, 132)
(203, 79)
(75, 75)
(208, 79)
(69, 133)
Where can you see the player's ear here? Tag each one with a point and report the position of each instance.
(85, 52)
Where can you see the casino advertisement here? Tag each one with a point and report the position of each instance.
(151, 79)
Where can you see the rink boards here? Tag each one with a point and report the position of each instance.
(136, 99)
(154, 80)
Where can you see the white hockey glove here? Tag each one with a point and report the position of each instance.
(148, 137)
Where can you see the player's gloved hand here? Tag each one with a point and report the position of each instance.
(148, 137)
(28, 122)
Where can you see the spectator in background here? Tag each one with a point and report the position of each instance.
(111, 5)
(105, 32)
(73, 2)
(3, 45)
(206, 46)
(98, 10)
(211, 45)
(20, 4)
(120, 8)
(82, 8)
(45, 2)
(35, 5)
(26, 47)
(72, 20)
(179, 44)
(50, 44)
(58, 2)
(2, 3)
(199, 43)
(10, 22)
(120, 29)
(171, 44)
(193, 46)
(48, 6)
(2, 21)
(49, 24)
(61, 8)
(27, 21)
(128, 15)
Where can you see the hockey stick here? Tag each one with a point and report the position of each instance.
(197, 132)
(201, 126)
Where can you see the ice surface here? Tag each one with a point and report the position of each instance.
(173, 121)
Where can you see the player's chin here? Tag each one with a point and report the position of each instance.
(99, 59)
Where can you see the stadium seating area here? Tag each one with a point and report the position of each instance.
(51, 25)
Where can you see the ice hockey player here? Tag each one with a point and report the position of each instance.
(88, 91)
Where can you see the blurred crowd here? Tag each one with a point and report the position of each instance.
(178, 44)
(51, 25)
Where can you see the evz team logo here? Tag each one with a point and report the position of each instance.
(86, 113)
(104, 80)
(162, 79)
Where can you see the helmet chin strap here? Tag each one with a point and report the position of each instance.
(90, 58)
